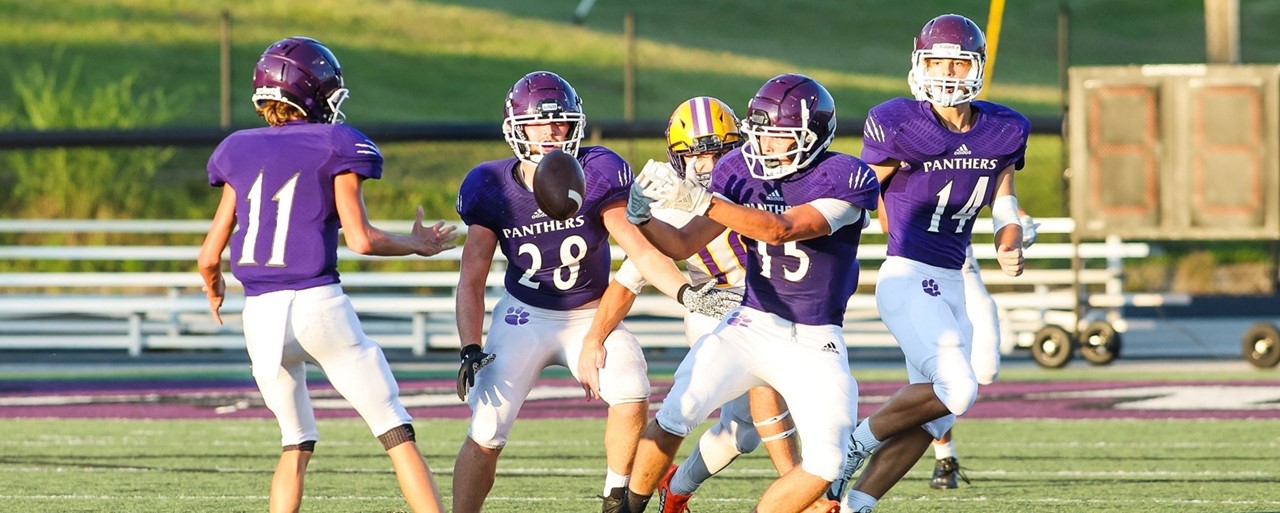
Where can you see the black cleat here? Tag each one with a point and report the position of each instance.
(945, 474)
(616, 501)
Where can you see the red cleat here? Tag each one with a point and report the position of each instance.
(670, 502)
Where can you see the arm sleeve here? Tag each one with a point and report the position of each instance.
(839, 213)
(629, 276)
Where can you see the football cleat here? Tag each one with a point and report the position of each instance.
(853, 461)
(616, 501)
(945, 473)
(668, 501)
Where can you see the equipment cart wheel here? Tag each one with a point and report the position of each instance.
(1052, 347)
(1100, 343)
(1261, 345)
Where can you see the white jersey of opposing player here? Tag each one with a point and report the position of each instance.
(722, 260)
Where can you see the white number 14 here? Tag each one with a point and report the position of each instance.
(970, 208)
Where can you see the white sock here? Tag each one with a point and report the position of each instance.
(614, 480)
(863, 436)
(858, 502)
(942, 451)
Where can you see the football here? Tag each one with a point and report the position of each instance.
(558, 185)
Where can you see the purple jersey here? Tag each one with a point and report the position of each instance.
(558, 265)
(808, 281)
(287, 221)
(945, 178)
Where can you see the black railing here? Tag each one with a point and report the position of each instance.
(383, 133)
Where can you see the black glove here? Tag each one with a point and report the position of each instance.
(473, 359)
(708, 300)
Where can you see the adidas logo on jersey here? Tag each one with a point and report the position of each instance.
(963, 150)
(831, 348)
(774, 195)
(538, 214)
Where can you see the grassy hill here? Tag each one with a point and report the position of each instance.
(427, 61)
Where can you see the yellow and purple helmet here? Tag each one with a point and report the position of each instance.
(701, 125)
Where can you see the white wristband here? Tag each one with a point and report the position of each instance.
(1004, 212)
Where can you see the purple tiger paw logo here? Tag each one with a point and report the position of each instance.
(931, 287)
(516, 316)
(737, 319)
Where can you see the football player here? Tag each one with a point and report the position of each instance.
(288, 187)
(800, 209)
(556, 273)
(699, 132)
(989, 339)
(940, 159)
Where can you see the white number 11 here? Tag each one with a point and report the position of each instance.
(284, 198)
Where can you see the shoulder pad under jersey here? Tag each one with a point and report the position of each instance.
(1005, 130)
(910, 130)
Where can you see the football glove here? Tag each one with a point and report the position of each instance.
(473, 359)
(1029, 226)
(708, 300)
(669, 190)
(638, 205)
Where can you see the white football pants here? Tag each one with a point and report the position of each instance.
(924, 308)
(286, 329)
(807, 365)
(524, 340)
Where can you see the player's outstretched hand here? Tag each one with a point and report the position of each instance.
(1010, 259)
(215, 291)
(708, 300)
(1029, 234)
(473, 359)
(433, 239)
(590, 361)
(637, 204)
(670, 190)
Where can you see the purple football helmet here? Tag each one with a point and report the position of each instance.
(541, 97)
(303, 73)
(788, 106)
(949, 36)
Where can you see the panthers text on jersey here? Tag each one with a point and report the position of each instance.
(808, 281)
(287, 236)
(558, 265)
(945, 178)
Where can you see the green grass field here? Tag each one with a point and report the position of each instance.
(1050, 466)
(447, 60)
(125, 466)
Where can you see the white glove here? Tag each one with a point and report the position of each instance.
(1010, 259)
(670, 190)
(1029, 226)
